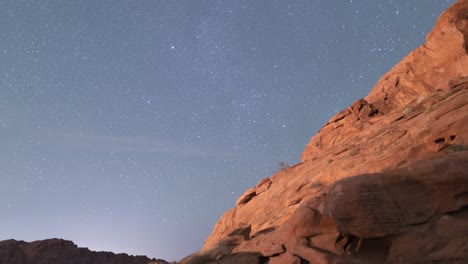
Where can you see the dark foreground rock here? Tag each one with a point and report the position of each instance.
(59, 251)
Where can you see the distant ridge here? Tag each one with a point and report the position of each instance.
(59, 251)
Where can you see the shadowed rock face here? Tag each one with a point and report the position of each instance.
(384, 181)
(58, 251)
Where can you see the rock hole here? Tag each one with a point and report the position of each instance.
(374, 112)
(397, 82)
(439, 141)
(452, 137)
(360, 107)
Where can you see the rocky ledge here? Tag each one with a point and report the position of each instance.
(384, 181)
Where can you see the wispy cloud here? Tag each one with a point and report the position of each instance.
(125, 144)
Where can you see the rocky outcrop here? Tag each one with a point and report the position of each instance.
(62, 251)
(437, 66)
(384, 181)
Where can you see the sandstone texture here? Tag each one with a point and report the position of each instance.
(58, 251)
(384, 181)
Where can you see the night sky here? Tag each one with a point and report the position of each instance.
(132, 125)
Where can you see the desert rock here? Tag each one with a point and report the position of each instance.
(383, 181)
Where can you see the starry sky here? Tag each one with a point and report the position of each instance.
(132, 125)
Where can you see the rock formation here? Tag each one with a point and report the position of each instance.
(58, 251)
(384, 181)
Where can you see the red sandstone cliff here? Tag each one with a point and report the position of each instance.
(384, 181)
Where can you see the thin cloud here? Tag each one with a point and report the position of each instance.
(124, 144)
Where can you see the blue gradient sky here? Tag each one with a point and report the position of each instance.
(131, 126)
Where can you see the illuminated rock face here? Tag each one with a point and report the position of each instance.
(61, 251)
(384, 181)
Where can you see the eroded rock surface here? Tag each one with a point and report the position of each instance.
(384, 181)
(59, 251)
